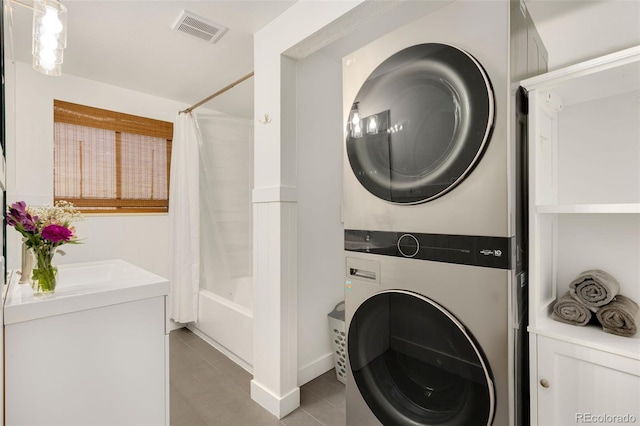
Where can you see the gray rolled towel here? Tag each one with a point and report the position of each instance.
(570, 311)
(594, 288)
(620, 317)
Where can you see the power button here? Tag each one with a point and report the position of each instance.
(408, 245)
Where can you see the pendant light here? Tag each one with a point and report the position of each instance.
(49, 36)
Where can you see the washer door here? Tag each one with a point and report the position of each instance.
(414, 363)
(420, 123)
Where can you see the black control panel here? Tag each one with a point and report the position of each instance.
(492, 252)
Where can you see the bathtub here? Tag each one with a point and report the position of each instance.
(227, 326)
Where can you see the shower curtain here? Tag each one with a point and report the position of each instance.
(210, 196)
(226, 209)
(184, 219)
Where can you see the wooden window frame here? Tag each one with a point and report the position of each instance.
(81, 115)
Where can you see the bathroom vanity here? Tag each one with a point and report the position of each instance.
(95, 352)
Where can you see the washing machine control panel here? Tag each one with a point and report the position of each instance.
(492, 252)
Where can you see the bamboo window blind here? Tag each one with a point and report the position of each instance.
(106, 161)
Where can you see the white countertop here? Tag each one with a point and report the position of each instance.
(83, 286)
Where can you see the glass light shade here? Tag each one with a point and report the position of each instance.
(47, 68)
(46, 41)
(49, 36)
(50, 17)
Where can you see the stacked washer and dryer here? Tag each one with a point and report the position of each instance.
(435, 241)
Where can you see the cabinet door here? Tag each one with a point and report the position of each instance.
(102, 366)
(577, 385)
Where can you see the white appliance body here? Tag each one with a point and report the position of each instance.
(479, 204)
(478, 298)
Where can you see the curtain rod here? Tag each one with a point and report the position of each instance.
(22, 4)
(219, 92)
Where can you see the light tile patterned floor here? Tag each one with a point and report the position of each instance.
(208, 389)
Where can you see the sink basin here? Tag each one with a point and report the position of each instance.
(82, 286)
(97, 272)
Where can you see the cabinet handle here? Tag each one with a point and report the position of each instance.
(544, 383)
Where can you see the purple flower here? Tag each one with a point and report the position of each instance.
(56, 233)
(20, 207)
(18, 215)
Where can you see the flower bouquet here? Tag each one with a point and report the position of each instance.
(44, 230)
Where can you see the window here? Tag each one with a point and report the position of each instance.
(106, 161)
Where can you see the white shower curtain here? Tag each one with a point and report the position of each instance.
(226, 209)
(184, 219)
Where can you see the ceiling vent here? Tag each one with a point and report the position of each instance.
(199, 27)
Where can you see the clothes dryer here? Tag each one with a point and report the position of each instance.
(426, 110)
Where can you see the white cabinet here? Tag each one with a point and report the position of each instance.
(94, 353)
(577, 384)
(584, 213)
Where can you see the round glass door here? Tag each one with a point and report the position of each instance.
(414, 363)
(420, 123)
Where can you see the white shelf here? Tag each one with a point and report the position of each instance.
(591, 336)
(589, 208)
(604, 76)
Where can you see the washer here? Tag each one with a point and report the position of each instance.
(427, 340)
(434, 221)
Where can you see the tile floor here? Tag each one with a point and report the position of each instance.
(209, 389)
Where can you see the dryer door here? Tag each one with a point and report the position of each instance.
(420, 123)
(414, 363)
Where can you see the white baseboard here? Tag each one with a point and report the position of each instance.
(279, 407)
(316, 368)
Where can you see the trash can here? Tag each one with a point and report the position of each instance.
(338, 341)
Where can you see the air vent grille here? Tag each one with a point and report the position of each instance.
(197, 26)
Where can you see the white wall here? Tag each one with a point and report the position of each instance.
(275, 370)
(142, 239)
(575, 31)
(320, 231)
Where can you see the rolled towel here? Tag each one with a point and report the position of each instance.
(620, 317)
(594, 288)
(570, 311)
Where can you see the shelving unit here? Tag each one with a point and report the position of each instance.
(584, 213)
(589, 208)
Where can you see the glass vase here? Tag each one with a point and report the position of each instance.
(44, 276)
(44, 280)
